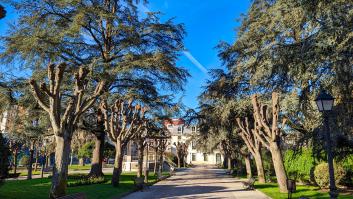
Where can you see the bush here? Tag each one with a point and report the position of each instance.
(87, 181)
(24, 160)
(299, 165)
(322, 174)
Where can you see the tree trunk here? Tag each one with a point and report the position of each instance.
(15, 161)
(141, 149)
(155, 161)
(179, 165)
(30, 162)
(81, 162)
(160, 170)
(97, 159)
(118, 163)
(247, 166)
(71, 157)
(279, 167)
(36, 163)
(229, 163)
(259, 166)
(47, 161)
(60, 169)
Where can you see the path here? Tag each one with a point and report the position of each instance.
(199, 182)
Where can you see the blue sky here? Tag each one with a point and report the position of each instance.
(207, 22)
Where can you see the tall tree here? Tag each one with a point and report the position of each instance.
(253, 144)
(129, 49)
(269, 133)
(63, 118)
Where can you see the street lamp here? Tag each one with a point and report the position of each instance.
(324, 102)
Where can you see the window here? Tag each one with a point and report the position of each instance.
(193, 157)
(179, 129)
(193, 129)
(205, 157)
(193, 144)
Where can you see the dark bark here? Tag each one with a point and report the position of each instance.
(15, 161)
(141, 149)
(97, 159)
(30, 162)
(37, 159)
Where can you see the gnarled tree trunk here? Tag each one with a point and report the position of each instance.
(141, 150)
(268, 132)
(118, 163)
(97, 159)
(60, 170)
(278, 166)
(259, 166)
(30, 162)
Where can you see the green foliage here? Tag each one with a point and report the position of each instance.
(86, 150)
(24, 160)
(322, 174)
(86, 181)
(299, 165)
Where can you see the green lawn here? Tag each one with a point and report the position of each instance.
(78, 167)
(39, 188)
(271, 189)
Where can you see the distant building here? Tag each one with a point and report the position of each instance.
(180, 132)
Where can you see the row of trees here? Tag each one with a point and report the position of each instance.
(286, 51)
(96, 66)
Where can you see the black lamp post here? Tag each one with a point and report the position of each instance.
(324, 102)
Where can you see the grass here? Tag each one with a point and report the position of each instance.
(39, 188)
(271, 190)
(79, 167)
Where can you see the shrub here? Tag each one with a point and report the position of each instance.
(24, 160)
(322, 174)
(299, 165)
(87, 181)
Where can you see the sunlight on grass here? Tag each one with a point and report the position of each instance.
(272, 190)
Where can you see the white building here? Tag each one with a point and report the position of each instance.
(180, 132)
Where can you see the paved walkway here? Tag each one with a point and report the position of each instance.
(199, 182)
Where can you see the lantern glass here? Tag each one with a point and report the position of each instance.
(327, 105)
(319, 105)
(324, 101)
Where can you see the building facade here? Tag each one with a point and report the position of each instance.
(180, 132)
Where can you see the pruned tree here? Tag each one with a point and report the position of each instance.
(181, 152)
(253, 144)
(244, 152)
(94, 123)
(122, 121)
(269, 134)
(63, 118)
